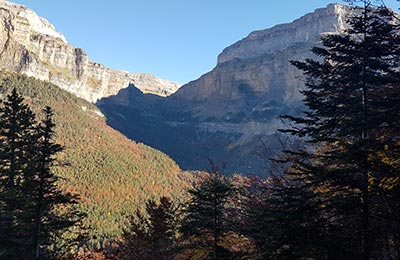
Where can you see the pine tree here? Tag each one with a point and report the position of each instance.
(34, 211)
(17, 125)
(352, 128)
(51, 206)
(152, 236)
(288, 223)
(205, 222)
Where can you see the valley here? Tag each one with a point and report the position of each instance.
(230, 115)
(287, 149)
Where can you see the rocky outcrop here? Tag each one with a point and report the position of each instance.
(261, 60)
(303, 30)
(231, 114)
(31, 45)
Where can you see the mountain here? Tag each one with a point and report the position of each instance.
(113, 175)
(29, 44)
(231, 114)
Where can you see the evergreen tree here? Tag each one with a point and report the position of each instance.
(17, 126)
(352, 128)
(288, 223)
(152, 236)
(34, 211)
(205, 223)
(52, 212)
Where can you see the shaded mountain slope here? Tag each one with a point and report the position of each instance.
(230, 114)
(113, 175)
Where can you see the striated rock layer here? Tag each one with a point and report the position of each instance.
(231, 114)
(31, 45)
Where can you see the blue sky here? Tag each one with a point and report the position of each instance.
(173, 39)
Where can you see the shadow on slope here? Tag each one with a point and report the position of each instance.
(113, 175)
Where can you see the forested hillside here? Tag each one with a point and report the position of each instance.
(334, 195)
(112, 175)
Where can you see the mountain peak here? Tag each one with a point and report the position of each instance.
(28, 20)
(34, 47)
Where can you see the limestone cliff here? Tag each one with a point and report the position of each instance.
(260, 64)
(231, 113)
(31, 45)
(305, 29)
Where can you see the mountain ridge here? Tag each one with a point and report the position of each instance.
(334, 13)
(232, 112)
(34, 47)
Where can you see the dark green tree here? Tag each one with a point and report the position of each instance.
(51, 206)
(289, 222)
(352, 130)
(17, 127)
(34, 212)
(205, 222)
(153, 235)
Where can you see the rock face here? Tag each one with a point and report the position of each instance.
(31, 45)
(230, 114)
(306, 29)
